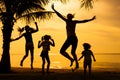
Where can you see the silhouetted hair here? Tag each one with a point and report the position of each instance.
(27, 27)
(46, 37)
(20, 29)
(70, 16)
(86, 46)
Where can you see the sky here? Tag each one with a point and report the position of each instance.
(102, 33)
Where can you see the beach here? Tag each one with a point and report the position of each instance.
(107, 67)
(60, 74)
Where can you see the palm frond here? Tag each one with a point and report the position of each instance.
(28, 7)
(88, 4)
(36, 15)
(42, 2)
(63, 1)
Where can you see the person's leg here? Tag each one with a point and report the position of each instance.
(89, 66)
(73, 51)
(85, 67)
(26, 54)
(43, 65)
(32, 57)
(64, 53)
(48, 65)
(76, 61)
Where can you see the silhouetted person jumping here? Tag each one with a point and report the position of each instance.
(45, 44)
(87, 54)
(71, 36)
(29, 42)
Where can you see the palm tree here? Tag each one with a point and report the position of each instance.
(12, 10)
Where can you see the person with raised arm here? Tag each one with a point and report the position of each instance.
(29, 46)
(71, 35)
(45, 43)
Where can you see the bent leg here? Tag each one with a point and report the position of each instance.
(73, 51)
(64, 53)
(21, 63)
(76, 61)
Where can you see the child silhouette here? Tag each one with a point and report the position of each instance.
(45, 44)
(29, 46)
(87, 54)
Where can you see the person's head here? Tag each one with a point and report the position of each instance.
(86, 46)
(70, 16)
(46, 37)
(27, 28)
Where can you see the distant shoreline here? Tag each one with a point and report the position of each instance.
(107, 62)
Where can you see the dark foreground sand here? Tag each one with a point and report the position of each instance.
(60, 74)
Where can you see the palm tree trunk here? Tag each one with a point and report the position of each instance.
(5, 65)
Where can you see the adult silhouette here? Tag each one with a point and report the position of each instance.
(29, 42)
(71, 36)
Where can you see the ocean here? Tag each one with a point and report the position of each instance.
(103, 60)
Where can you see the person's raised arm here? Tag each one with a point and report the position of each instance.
(58, 13)
(87, 20)
(35, 30)
(39, 44)
(53, 43)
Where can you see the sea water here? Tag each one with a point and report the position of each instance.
(103, 60)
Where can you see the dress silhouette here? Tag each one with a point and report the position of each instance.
(45, 43)
(71, 36)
